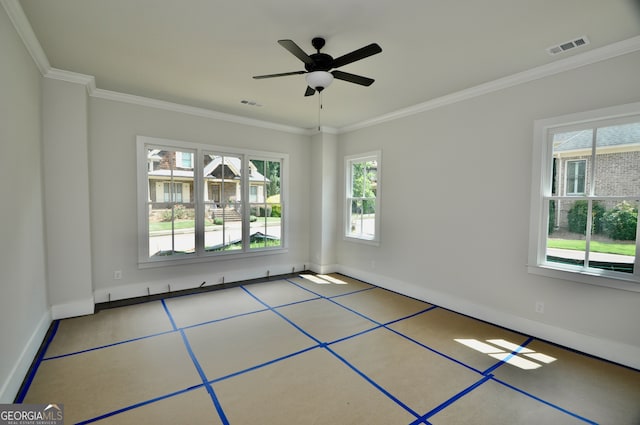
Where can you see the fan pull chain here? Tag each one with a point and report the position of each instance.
(319, 108)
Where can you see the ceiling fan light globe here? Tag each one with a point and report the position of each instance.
(319, 80)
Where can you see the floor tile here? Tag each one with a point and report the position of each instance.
(243, 342)
(101, 381)
(330, 285)
(439, 329)
(108, 327)
(208, 306)
(193, 407)
(325, 320)
(382, 305)
(495, 404)
(421, 379)
(602, 391)
(279, 292)
(311, 388)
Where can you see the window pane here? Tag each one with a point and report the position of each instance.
(614, 245)
(357, 180)
(618, 160)
(266, 208)
(171, 230)
(570, 153)
(566, 242)
(222, 176)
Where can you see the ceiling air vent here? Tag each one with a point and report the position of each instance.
(568, 45)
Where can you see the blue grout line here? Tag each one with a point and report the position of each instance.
(325, 346)
(208, 384)
(509, 357)
(198, 367)
(32, 373)
(575, 415)
(372, 382)
(59, 356)
(434, 350)
(166, 310)
(261, 365)
(140, 404)
(385, 325)
(452, 400)
(282, 316)
(205, 381)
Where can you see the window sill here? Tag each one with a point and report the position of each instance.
(591, 277)
(208, 259)
(373, 242)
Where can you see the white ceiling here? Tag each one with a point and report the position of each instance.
(203, 53)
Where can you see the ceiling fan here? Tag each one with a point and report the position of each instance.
(318, 65)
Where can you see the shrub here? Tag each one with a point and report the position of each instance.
(276, 210)
(253, 218)
(218, 221)
(621, 221)
(577, 217)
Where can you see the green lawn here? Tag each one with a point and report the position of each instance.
(189, 224)
(603, 247)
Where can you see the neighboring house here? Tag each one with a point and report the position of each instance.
(616, 168)
(171, 180)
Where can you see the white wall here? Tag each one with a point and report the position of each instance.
(66, 183)
(455, 211)
(24, 316)
(324, 214)
(113, 130)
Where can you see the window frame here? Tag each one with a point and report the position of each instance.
(143, 143)
(348, 161)
(541, 187)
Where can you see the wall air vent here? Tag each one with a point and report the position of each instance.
(568, 45)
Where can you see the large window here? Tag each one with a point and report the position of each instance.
(362, 197)
(586, 194)
(200, 202)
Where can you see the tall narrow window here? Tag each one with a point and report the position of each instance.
(362, 196)
(589, 195)
(266, 204)
(198, 202)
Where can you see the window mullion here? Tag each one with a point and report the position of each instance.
(198, 193)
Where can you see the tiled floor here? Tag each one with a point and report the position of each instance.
(318, 351)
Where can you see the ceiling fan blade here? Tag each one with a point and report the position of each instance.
(296, 51)
(356, 55)
(352, 78)
(309, 92)
(258, 77)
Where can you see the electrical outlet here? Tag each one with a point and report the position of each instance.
(539, 307)
(117, 274)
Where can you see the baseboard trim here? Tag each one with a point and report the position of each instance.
(12, 385)
(624, 354)
(73, 309)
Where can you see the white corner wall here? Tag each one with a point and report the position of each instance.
(455, 211)
(24, 315)
(66, 182)
(324, 215)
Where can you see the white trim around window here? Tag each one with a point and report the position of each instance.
(363, 177)
(546, 198)
(213, 218)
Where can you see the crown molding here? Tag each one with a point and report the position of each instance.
(587, 58)
(191, 110)
(24, 30)
(72, 77)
